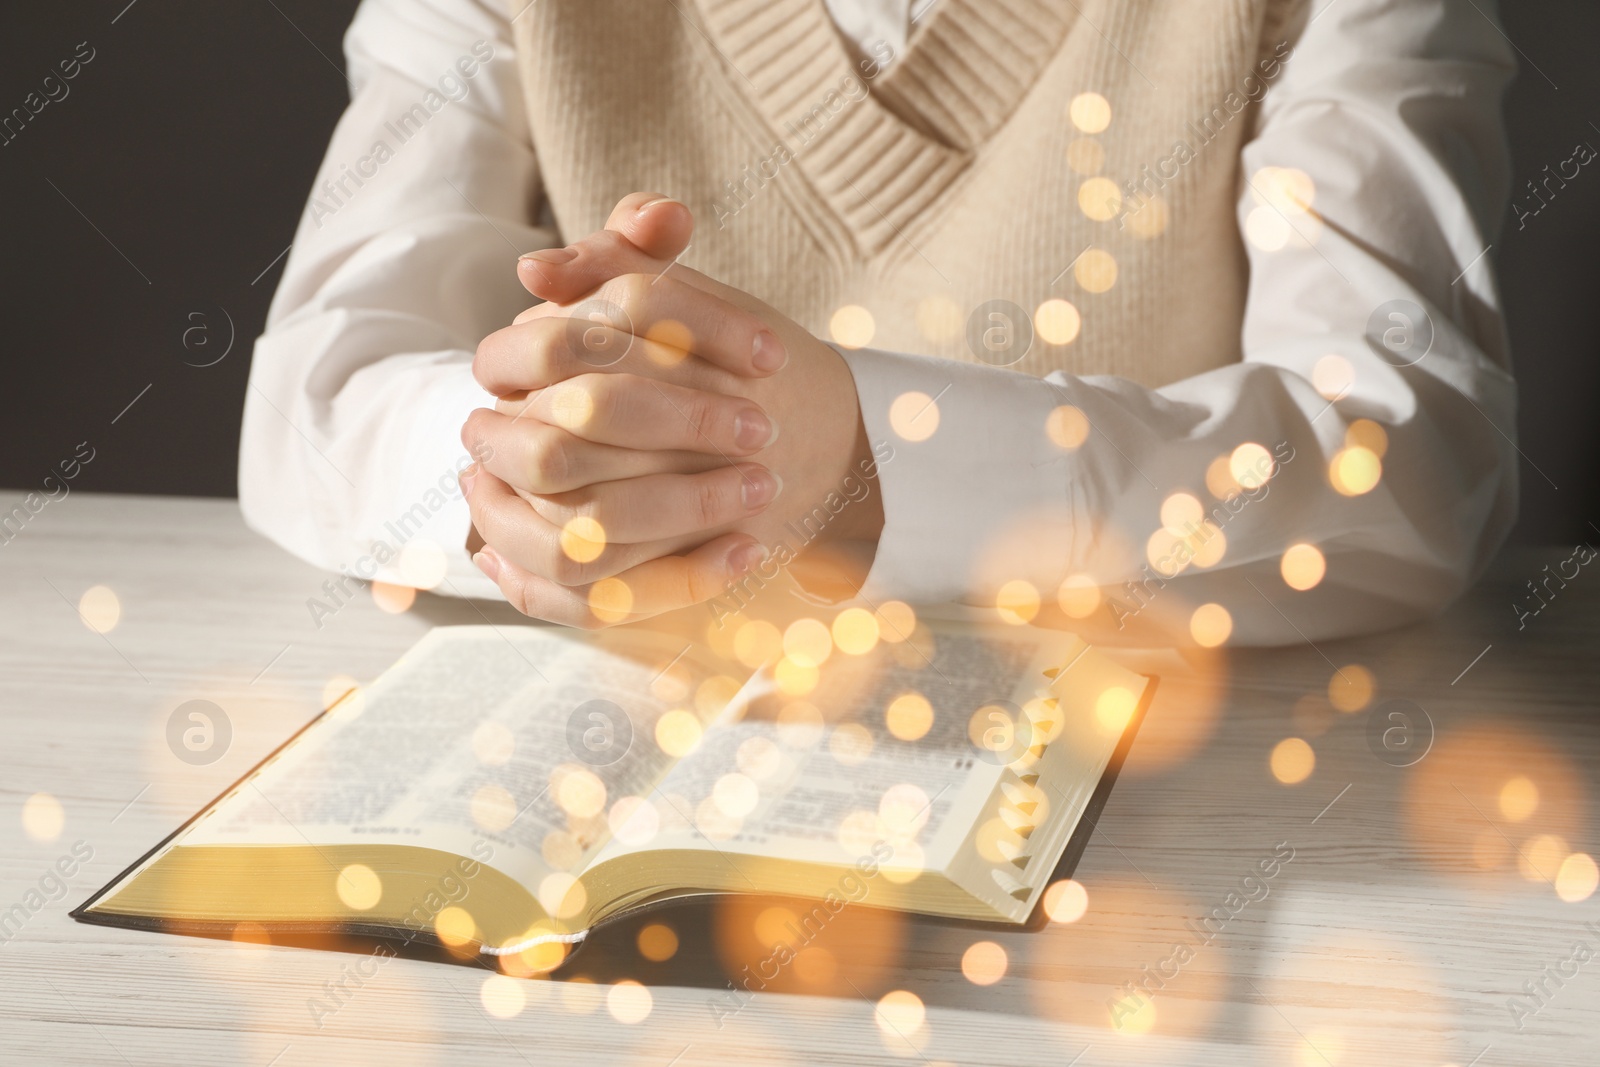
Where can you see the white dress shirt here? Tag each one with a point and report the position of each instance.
(361, 382)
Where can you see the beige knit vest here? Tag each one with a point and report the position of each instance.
(953, 178)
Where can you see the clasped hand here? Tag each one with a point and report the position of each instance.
(654, 430)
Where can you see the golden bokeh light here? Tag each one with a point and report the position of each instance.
(1351, 687)
(896, 621)
(583, 539)
(795, 679)
(1251, 465)
(100, 609)
(1167, 552)
(393, 599)
(1210, 625)
(1148, 217)
(984, 963)
(855, 631)
(1096, 270)
(1577, 878)
(1180, 511)
(611, 600)
(1115, 706)
(903, 811)
(909, 716)
(1220, 481)
(571, 406)
(736, 795)
(1067, 426)
(1100, 199)
(1066, 901)
(900, 1013)
(1519, 798)
(503, 996)
(1134, 1015)
(579, 791)
(1017, 602)
(658, 942)
(1079, 596)
(1090, 112)
(455, 927)
(562, 894)
(250, 936)
(757, 643)
(939, 319)
(423, 563)
(914, 416)
(1057, 321)
(43, 817)
(1364, 433)
(678, 732)
(1292, 761)
(1086, 156)
(493, 808)
(673, 342)
(1303, 566)
(1540, 857)
(1355, 470)
(1208, 544)
(858, 832)
(852, 326)
(634, 821)
(1332, 376)
(714, 694)
(808, 642)
(759, 758)
(1288, 189)
(1266, 229)
(629, 1002)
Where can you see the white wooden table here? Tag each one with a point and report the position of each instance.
(1398, 934)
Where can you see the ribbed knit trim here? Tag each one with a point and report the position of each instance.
(961, 78)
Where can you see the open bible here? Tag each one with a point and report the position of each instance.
(504, 790)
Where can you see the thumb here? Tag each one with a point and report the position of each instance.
(646, 231)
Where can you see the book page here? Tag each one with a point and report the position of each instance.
(519, 736)
(882, 749)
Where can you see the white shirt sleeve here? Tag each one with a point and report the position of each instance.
(1392, 110)
(403, 261)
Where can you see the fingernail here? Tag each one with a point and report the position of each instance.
(752, 429)
(660, 200)
(488, 561)
(761, 487)
(745, 559)
(769, 354)
(552, 256)
(466, 478)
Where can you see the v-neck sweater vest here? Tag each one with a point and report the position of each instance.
(953, 178)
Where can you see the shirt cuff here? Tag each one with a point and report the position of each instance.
(426, 531)
(974, 491)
